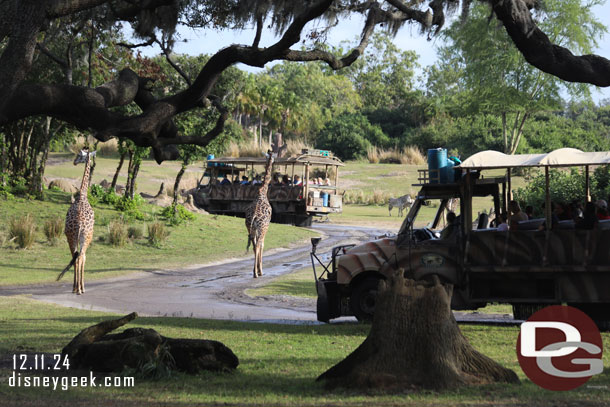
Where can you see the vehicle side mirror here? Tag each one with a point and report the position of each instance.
(314, 243)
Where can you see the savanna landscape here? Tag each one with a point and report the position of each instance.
(120, 284)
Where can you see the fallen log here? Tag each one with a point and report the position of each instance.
(95, 349)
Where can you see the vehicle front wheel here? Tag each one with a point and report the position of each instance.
(363, 299)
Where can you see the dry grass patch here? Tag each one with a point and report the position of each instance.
(407, 155)
(53, 229)
(22, 229)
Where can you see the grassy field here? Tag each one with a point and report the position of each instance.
(278, 365)
(203, 240)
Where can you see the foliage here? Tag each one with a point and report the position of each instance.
(350, 135)
(22, 229)
(157, 234)
(130, 207)
(53, 229)
(176, 214)
(135, 232)
(117, 233)
(564, 186)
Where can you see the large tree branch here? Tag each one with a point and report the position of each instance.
(540, 52)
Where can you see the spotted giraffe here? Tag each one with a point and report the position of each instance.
(258, 217)
(79, 226)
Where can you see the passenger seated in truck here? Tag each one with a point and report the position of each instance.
(516, 215)
(257, 180)
(244, 180)
(602, 210)
(297, 181)
(529, 211)
(225, 180)
(285, 180)
(556, 210)
(589, 220)
(502, 225)
(452, 226)
(276, 179)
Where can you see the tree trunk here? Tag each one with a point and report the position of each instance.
(118, 169)
(94, 349)
(39, 172)
(93, 164)
(177, 182)
(129, 172)
(134, 175)
(415, 343)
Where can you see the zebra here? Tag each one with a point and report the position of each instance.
(401, 203)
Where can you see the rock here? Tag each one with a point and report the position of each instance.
(63, 185)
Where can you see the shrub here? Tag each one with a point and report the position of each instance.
(157, 233)
(53, 228)
(176, 214)
(130, 207)
(23, 230)
(135, 232)
(97, 190)
(117, 233)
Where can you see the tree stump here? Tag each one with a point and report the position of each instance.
(415, 343)
(97, 350)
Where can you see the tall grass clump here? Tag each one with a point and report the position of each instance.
(296, 147)
(117, 233)
(373, 155)
(413, 155)
(246, 149)
(406, 155)
(53, 228)
(157, 233)
(135, 232)
(22, 230)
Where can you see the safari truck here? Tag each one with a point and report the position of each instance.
(317, 195)
(530, 266)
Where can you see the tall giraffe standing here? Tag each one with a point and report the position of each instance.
(79, 226)
(258, 217)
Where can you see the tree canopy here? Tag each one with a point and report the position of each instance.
(82, 36)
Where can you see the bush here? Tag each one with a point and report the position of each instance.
(23, 230)
(53, 228)
(130, 207)
(135, 232)
(157, 233)
(117, 233)
(97, 190)
(176, 214)
(350, 135)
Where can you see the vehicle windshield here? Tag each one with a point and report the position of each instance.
(425, 212)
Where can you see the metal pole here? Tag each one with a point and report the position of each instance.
(587, 186)
(510, 187)
(547, 199)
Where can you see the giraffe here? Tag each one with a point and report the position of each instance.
(79, 226)
(258, 217)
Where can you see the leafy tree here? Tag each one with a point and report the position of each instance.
(492, 77)
(350, 135)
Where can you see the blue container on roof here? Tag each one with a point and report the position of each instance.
(437, 163)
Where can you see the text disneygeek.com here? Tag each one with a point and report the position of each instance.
(42, 363)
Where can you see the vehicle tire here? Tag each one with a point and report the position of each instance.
(524, 311)
(362, 302)
(302, 220)
(322, 304)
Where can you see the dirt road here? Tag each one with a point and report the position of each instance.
(209, 291)
(215, 290)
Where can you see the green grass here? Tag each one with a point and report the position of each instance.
(278, 364)
(149, 178)
(299, 283)
(206, 239)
